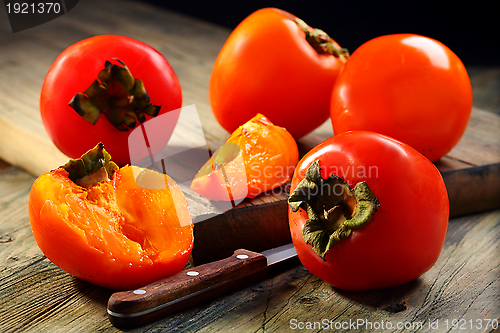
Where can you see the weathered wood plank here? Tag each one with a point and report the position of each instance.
(485, 87)
(463, 285)
(37, 296)
(473, 190)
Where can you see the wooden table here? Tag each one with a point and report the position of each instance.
(36, 296)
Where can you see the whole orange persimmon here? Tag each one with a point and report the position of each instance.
(275, 63)
(117, 228)
(258, 156)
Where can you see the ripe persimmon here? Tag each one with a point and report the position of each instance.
(258, 156)
(117, 228)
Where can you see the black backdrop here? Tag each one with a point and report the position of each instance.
(471, 29)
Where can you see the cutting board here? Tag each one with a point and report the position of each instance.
(471, 171)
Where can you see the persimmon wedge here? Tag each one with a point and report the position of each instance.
(117, 228)
(258, 156)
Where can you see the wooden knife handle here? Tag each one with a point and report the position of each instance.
(188, 287)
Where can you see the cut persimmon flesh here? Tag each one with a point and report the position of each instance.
(257, 157)
(120, 233)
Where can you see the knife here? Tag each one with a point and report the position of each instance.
(133, 308)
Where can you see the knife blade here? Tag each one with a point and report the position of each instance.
(133, 308)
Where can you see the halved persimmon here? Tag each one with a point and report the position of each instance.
(258, 156)
(117, 228)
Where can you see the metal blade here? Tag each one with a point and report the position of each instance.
(279, 254)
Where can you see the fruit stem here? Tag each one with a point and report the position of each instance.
(117, 94)
(333, 208)
(93, 167)
(321, 42)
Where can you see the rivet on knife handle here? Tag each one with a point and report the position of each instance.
(188, 287)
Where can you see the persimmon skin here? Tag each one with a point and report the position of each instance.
(266, 65)
(406, 235)
(406, 86)
(77, 67)
(265, 160)
(114, 234)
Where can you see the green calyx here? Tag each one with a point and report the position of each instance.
(321, 42)
(333, 208)
(117, 94)
(93, 167)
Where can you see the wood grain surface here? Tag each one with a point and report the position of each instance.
(37, 296)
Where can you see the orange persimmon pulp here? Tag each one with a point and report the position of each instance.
(257, 157)
(115, 234)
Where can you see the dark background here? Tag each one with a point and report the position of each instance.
(470, 29)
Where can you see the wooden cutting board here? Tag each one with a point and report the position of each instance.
(471, 171)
